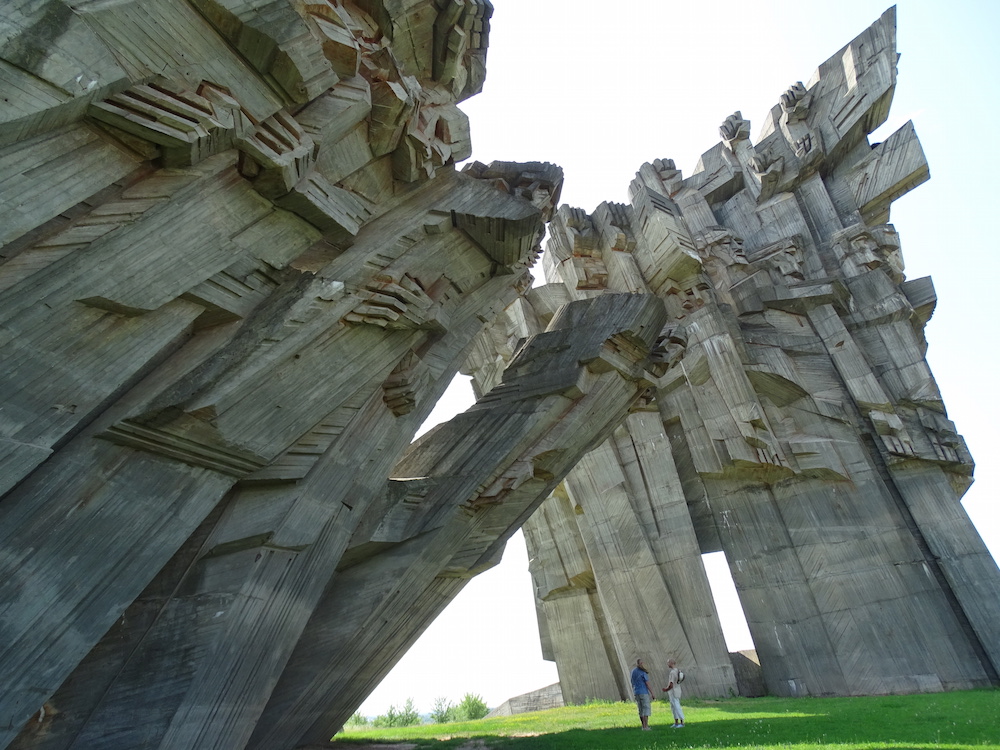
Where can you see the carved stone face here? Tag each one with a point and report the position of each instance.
(732, 252)
(685, 298)
(863, 249)
(695, 296)
(893, 259)
(887, 247)
(722, 246)
(858, 254)
(788, 262)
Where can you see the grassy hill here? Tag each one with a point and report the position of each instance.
(947, 721)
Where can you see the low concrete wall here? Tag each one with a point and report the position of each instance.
(537, 700)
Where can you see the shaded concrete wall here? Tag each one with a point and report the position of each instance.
(749, 676)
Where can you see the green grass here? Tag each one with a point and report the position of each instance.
(947, 721)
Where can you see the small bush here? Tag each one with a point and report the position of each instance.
(357, 721)
(407, 716)
(471, 707)
(443, 711)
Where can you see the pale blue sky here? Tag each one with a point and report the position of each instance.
(601, 87)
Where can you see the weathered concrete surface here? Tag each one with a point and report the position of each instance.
(465, 487)
(749, 676)
(807, 438)
(256, 574)
(237, 270)
(614, 557)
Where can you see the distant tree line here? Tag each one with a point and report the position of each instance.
(470, 708)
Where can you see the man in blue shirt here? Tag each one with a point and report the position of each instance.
(642, 691)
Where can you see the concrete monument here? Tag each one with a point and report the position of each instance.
(238, 270)
(798, 428)
(238, 267)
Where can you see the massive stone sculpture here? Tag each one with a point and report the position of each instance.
(238, 268)
(798, 428)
